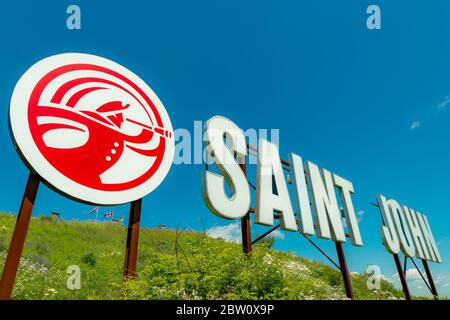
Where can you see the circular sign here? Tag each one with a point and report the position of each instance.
(91, 129)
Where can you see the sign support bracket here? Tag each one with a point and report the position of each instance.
(344, 270)
(245, 221)
(402, 277)
(18, 238)
(131, 250)
(430, 279)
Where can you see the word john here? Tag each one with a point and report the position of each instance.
(407, 230)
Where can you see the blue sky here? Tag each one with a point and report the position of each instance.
(370, 106)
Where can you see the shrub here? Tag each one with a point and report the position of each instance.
(89, 259)
(39, 259)
(41, 247)
(268, 241)
(45, 218)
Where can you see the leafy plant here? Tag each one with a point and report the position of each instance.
(89, 259)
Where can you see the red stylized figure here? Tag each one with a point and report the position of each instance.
(105, 140)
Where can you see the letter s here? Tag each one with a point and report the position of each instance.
(235, 207)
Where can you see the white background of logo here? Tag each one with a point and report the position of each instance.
(32, 156)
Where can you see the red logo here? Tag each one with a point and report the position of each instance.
(99, 127)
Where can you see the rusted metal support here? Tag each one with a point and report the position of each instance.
(131, 250)
(401, 275)
(430, 278)
(245, 222)
(344, 270)
(246, 234)
(18, 237)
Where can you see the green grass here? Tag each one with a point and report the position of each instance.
(171, 265)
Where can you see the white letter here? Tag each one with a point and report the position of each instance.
(346, 189)
(301, 197)
(390, 238)
(416, 233)
(429, 239)
(269, 166)
(326, 210)
(374, 20)
(406, 242)
(74, 20)
(214, 193)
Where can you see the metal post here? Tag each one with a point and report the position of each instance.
(18, 237)
(129, 268)
(245, 224)
(430, 278)
(344, 270)
(398, 264)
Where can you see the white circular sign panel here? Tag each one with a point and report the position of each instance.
(91, 129)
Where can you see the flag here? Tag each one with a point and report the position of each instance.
(95, 210)
(108, 214)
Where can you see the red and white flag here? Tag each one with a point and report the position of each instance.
(108, 214)
(95, 210)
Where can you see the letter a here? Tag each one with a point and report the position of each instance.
(374, 20)
(74, 20)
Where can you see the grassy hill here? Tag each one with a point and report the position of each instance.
(172, 265)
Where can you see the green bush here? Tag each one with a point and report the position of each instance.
(39, 259)
(89, 259)
(45, 218)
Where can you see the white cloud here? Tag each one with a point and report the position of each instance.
(278, 234)
(414, 274)
(360, 214)
(411, 274)
(230, 232)
(415, 125)
(418, 287)
(443, 241)
(344, 222)
(443, 105)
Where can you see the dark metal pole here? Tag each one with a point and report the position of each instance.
(131, 251)
(430, 278)
(265, 234)
(344, 270)
(18, 237)
(398, 264)
(321, 251)
(405, 263)
(245, 223)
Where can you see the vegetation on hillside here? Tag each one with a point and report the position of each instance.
(172, 264)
